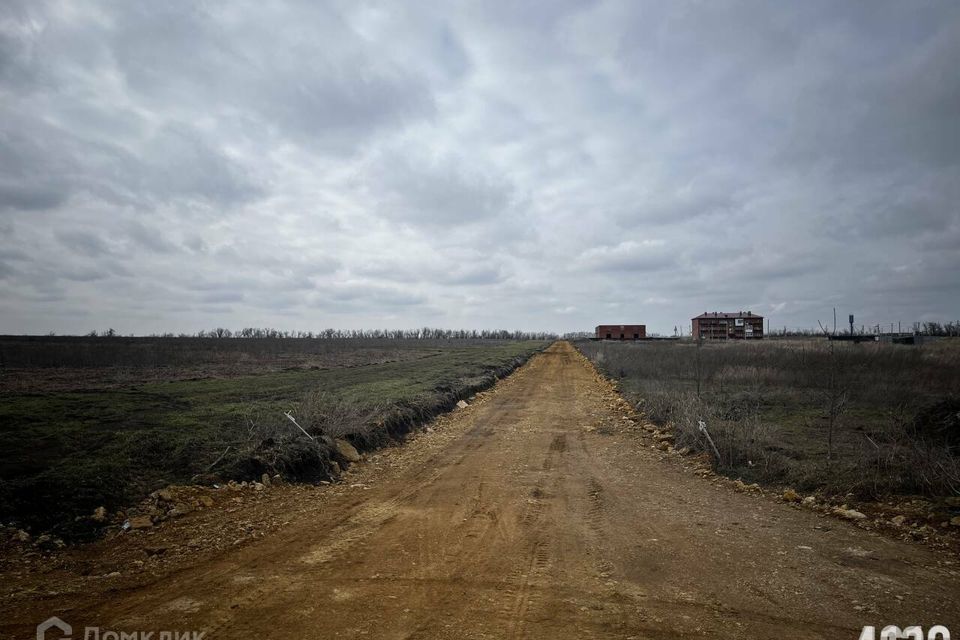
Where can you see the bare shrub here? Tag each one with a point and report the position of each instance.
(657, 403)
(686, 412)
(909, 456)
(323, 413)
(746, 443)
(273, 445)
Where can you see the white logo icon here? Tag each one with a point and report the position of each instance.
(65, 630)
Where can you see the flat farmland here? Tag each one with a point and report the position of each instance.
(103, 421)
(67, 363)
(863, 421)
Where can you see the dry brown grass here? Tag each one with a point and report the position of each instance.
(859, 419)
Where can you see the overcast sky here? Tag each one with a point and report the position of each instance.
(175, 166)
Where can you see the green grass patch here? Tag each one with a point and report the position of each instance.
(66, 453)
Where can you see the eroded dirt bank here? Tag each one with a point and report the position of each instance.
(538, 512)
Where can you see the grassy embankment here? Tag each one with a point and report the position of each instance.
(68, 452)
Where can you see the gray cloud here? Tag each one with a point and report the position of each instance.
(630, 256)
(84, 242)
(171, 166)
(326, 85)
(433, 191)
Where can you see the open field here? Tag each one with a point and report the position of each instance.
(71, 363)
(868, 419)
(542, 510)
(105, 434)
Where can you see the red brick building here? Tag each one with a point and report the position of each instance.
(742, 325)
(621, 332)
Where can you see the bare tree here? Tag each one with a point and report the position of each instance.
(836, 392)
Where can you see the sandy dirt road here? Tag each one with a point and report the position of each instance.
(541, 513)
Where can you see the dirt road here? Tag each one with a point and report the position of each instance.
(540, 512)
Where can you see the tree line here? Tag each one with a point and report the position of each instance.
(943, 329)
(425, 333)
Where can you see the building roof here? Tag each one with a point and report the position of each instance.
(722, 314)
(620, 325)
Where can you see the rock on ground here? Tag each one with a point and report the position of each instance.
(346, 450)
